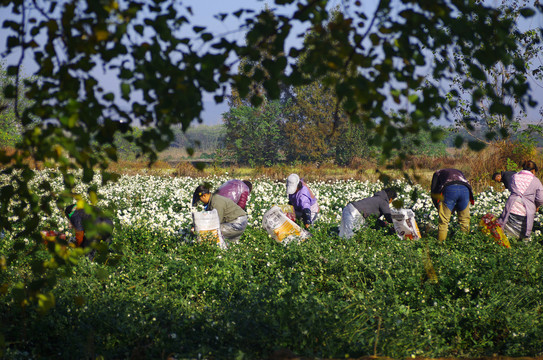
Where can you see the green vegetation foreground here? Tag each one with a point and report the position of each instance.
(325, 297)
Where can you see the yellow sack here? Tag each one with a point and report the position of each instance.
(490, 226)
(281, 228)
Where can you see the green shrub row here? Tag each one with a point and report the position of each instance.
(326, 297)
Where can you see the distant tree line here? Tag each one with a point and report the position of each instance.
(203, 137)
(302, 130)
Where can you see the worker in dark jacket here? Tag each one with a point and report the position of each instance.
(89, 228)
(451, 192)
(354, 214)
(236, 190)
(506, 177)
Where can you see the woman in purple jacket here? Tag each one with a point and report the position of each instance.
(302, 199)
(517, 218)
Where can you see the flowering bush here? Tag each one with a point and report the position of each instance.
(164, 203)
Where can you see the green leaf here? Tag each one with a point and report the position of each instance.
(501, 109)
(125, 90)
(207, 37)
(477, 73)
(491, 135)
(199, 165)
(12, 42)
(139, 29)
(12, 70)
(101, 274)
(437, 135)
(45, 302)
(458, 141)
(413, 98)
(476, 145)
(10, 91)
(527, 12)
(256, 100)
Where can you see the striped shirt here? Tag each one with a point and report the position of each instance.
(521, 181)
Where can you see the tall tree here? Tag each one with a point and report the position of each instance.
(480, 83)
(253, 134)
(253, 123)
(314, 112)
(309, 123)
(10, 123)
(353, 142)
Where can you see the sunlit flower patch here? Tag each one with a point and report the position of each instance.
(164, 203)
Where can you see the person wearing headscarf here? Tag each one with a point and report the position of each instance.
(517, 218)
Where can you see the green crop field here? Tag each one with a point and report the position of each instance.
(158, 294)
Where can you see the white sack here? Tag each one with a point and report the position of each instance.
(351, 221)
(281, 228)
(208, 227)
(405, 224)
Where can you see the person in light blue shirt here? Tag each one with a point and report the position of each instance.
(302, 199)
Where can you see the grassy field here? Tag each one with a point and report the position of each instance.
(159, 295)
(324, 298)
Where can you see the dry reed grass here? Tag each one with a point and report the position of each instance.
(9, 152)
(477, 166)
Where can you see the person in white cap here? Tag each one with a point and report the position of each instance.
(302, 199)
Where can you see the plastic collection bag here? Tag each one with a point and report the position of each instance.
(281, 228)
(288, 210)
(232, 189)
(207, 227)
(405, 224)
(490, 226)
(351, 221)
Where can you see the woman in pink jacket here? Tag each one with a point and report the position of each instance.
(517, 218)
